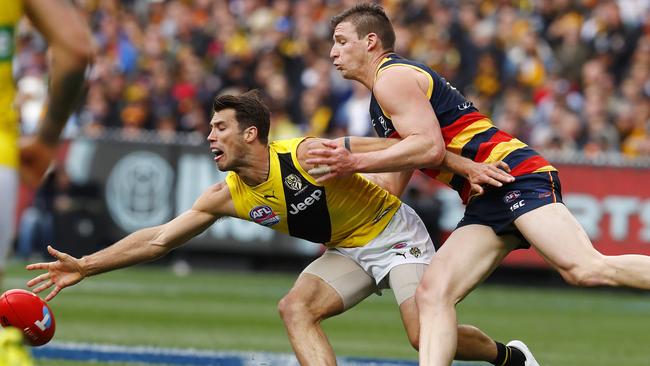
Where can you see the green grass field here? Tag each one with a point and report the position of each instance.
(237, 311)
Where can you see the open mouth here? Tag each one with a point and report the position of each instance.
(217, 154)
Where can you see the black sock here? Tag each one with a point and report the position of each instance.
(508, 356)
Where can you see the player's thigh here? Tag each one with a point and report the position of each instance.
(341, 281)
(404, 280)
(466, 258)
(556, 234)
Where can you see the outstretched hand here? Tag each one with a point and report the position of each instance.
(66, 271)
(493, 174)
(332, 161)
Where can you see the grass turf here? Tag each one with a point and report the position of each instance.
(214, 310)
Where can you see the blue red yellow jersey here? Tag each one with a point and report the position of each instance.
(465, 131)
(344, 212)
(10, 13)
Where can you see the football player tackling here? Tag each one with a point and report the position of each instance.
(268, 183)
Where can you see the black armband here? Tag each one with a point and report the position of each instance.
(346, 143)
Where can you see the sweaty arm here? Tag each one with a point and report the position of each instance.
(141, 246)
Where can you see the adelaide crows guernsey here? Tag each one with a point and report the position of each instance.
(465, 131)
(344, 212)
(10, 13)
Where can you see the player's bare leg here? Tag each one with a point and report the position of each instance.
(310, 301)
(473, 344)
(568, 249)
(468, 256)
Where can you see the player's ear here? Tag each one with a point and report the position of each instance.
(372, 41)
(250, 134)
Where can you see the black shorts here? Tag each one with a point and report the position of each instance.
(499, 207)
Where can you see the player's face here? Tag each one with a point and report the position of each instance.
(348, 52)
(226, 140)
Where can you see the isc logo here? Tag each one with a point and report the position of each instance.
(517, 205)
(315, 196)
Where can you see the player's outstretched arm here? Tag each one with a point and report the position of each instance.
(141, 246)
(70, 51)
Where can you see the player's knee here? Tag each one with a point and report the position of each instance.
(293, 308)
(432, 293)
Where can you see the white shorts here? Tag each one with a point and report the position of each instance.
(9, 199)
(355, 273)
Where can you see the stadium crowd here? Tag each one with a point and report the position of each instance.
(560, 75)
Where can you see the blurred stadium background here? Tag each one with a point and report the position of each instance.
(570, 78)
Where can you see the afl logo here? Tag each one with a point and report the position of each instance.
(293, 182)
(511, 196)
(263, 215)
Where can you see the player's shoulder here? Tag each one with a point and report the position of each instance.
(217, 191)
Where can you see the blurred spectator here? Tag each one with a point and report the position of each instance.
(573, 75)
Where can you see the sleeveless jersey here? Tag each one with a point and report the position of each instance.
(465, 131)
(10, 13)
(344, 212)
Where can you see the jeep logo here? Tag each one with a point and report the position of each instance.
(315, 196)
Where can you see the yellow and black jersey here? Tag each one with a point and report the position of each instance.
(466, 132)
(344, 212)
(10, 13)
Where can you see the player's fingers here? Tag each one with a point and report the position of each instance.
(477, 189)
(326, 177)
(331, 144)
(53, 293)
(36, 280)
(319, 161)
(55, 253)
(319, 170)
(34, 266)
(320, 152)
(502, 176)
(493, 182)
(503, 165)
(44, 286)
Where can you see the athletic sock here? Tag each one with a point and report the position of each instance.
(508, 356)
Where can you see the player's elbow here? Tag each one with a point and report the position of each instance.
(434, 155)
(78, 50)
(83, 54)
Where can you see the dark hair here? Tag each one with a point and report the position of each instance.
(249, 111)
(368, 18)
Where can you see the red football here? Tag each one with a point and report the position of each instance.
(26, 311)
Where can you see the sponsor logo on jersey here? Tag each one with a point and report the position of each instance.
(308, 201)
(293, 182)
(263, 215)
(544, 195)
(46, 322)
(511, 196)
